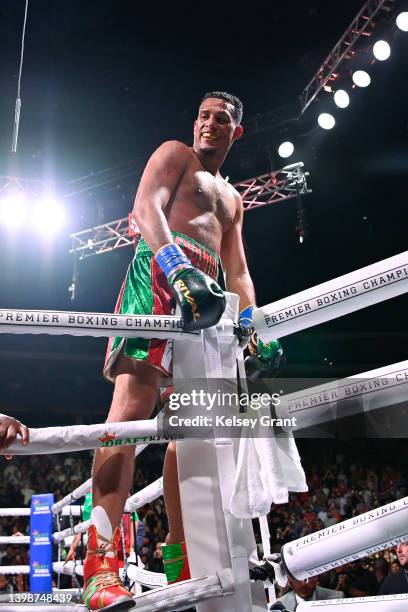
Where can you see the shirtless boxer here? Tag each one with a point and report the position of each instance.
(190, 219)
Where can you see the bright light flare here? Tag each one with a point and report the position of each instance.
(381, 50)
(402, 21)
(341, 98)
(286, 149)
(361, 78)
(13, 210)
(48, 216)
(326, 121)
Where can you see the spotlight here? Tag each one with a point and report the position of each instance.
(326, 121)
(286, 149)
(361, 78)
(381, 50)
(48, 215)
(402, 21)
(341, 98)
(13, 209)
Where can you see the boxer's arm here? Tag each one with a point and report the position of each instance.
(234, 262)
(160, 178)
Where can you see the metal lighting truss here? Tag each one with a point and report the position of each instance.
(360, 26)
(271, 188)
(34, 187)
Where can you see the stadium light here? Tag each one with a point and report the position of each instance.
(286, 149)
(13, 209)
(361, 78)
(326, 121)
(48, 216)
(341, 98)
(402, 21)
(381, 50)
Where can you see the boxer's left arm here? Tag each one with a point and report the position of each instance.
(265, 359)
(233, 259)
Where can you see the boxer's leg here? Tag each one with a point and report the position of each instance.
(174, 551)
(134, 398)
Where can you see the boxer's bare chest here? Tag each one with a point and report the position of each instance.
(200, 194)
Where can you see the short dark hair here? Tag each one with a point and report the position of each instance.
(236, 102)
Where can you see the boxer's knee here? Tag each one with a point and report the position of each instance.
(134, 396)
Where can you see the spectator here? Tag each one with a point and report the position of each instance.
(381, 568)
(395, 567)
(397, 583)
(306, 590)
(156, 565)
(357, 581)
(5, 586)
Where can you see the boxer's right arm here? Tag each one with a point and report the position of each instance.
(201, 300)
(157, 185)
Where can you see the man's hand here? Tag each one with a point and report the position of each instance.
(201, 299)
(10, 428)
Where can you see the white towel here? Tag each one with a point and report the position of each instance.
(267, 469)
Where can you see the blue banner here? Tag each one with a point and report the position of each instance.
(41, 543)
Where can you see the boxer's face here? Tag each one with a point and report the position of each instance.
(215, 128)
(402, 554)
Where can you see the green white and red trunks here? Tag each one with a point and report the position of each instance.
(145, 290)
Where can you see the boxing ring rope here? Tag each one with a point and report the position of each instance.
(133, 503)
(52, 440)
(15, 512)
(379, 603)
(14, 539)
(335, 298)
(332, 299)
(342, 398)
(386, 386)
(101, 325)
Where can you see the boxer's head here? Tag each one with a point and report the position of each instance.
(218, 123)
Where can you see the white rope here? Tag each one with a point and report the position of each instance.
(379, 603)
(69, 568)
(14, 539)
(15, 569)
(58, 536)
(144, 577)
(99, 324)
(370, 285)
(363, 392)
(71, 510)
(77, 493)
(145, 496)
(15, 511)
(136, 501)
(48, 440)
(358, 537)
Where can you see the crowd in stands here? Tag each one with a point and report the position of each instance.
(338, 489)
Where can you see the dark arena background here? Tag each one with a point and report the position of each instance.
(102, 85)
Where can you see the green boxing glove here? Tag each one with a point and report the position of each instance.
(265, 360)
